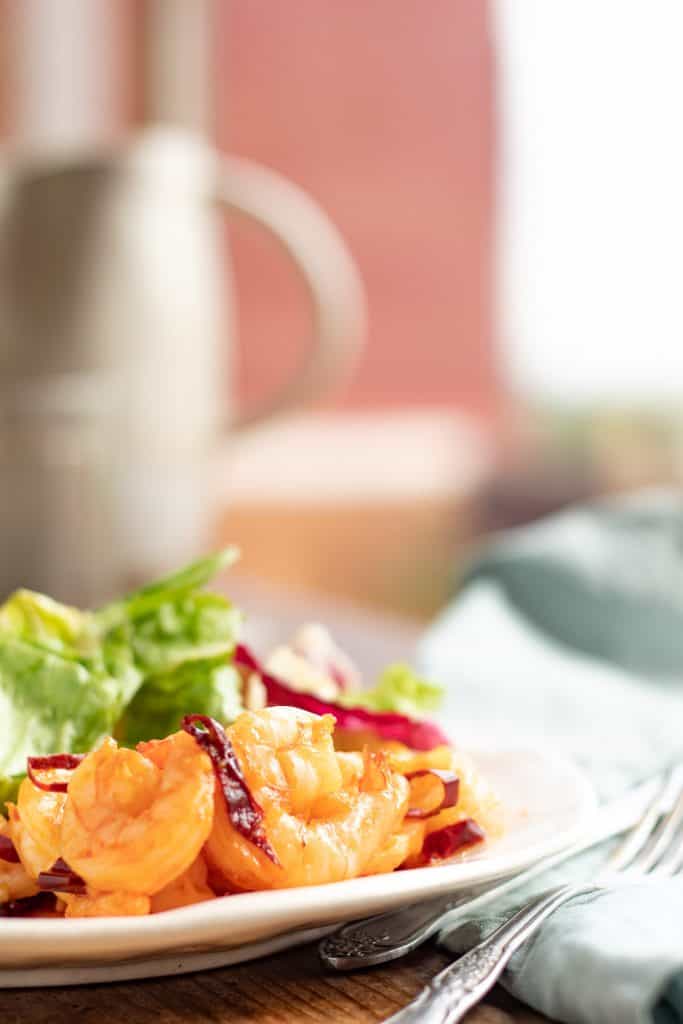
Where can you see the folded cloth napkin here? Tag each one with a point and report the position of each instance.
(572, 630)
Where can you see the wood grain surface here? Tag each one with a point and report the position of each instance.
(290, 988)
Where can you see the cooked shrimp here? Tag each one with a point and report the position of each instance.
(105, 904)
(190, 887)
(476, 799)
(35, 825)
(325, 815)
(15, 882)
(135, 820)
(390, 856)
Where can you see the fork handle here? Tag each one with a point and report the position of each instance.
(462, 984)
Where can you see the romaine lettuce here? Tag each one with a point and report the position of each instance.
(209, 687)
(67, 676)
(398, 689)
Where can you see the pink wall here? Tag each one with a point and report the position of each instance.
(384, 112)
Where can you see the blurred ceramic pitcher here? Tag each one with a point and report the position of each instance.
(115, 319)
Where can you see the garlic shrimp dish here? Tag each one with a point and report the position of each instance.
(274, 775)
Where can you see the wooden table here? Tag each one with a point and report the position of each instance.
(289, 988)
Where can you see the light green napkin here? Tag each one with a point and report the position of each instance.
(572, 631)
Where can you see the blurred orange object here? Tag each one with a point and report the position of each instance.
(373, 508)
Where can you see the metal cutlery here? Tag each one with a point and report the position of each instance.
(385, 937)
(653, 847)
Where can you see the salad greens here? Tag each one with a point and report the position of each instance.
(398, 689)
(67, 676)
(211, 684)
(135, 667)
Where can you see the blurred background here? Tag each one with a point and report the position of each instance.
(474, 304)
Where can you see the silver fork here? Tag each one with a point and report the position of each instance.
(384, 937)
(654, 847)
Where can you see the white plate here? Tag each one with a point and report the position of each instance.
(548, 802)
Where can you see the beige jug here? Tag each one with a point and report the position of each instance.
(116, 338)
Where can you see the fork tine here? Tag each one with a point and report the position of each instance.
(670, 857)
(628, 849)
(662, 838)
(672, 862)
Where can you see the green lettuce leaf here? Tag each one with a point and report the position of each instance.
(40, 621)
(398, 689)
(149, 599)
(192, 627)
(55, 691)
(49, 702)
(67, 676)
(179, 639)
(9, 787)
(209, 687)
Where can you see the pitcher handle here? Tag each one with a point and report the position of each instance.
(323, 260)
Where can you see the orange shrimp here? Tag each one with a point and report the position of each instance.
(190, 887)
(104, 904)
(35, 825)
(133, 820)
(476, 798)
(324, 815)
(15, 881)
